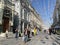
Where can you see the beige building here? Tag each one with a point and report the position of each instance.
(28, 17)
(35, 19)
(25, 12)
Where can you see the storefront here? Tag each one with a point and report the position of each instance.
(1, 15)
(7, 14)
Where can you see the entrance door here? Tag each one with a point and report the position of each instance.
(6, 17)
(5, 24)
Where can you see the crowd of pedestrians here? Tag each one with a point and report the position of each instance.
(27, 34)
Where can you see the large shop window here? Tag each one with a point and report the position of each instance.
(7, 13)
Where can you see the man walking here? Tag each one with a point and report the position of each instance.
(50, 31)
(16, 24)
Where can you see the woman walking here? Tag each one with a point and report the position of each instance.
(25, 35)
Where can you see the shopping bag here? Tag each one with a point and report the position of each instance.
(19, 35)
(23, 38)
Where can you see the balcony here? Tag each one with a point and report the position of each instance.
(25, 3)
(8, 3)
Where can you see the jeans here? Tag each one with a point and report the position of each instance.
(26, 38)
(16, 36)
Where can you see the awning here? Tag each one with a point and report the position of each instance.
(57, 27)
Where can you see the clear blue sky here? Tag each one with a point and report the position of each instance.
(45, 8)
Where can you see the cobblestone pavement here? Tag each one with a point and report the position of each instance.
(40, 39)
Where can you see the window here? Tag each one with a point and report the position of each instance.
(25, 14)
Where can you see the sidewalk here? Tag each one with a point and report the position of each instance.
(10, 35)
(35, 40)
(55, 38)
(2, 35)
(11, 40)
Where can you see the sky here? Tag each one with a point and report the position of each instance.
(45, 8)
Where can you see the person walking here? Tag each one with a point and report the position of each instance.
(28, 33)
(50, 31)
(16, 24)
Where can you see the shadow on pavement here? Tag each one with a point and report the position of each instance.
(43, 41)
(9, 37)
(29, 40)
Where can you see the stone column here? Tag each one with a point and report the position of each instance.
(27, 19)
(23, 18)
(13, 9)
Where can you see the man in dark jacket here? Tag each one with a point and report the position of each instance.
(50, 31)
(16, 24)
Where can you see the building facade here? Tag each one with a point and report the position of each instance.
(25, 12)
(35, 19)
(6, 14)
(27, 15)
(56, 18)
(56, 15)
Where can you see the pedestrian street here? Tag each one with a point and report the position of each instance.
(40, 39)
